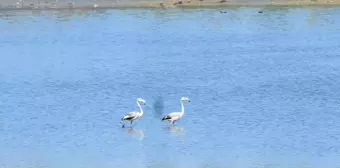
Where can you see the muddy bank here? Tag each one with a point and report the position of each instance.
(97, 4)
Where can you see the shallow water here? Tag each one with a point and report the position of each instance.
(264, 88)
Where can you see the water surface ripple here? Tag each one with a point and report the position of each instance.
(264, 88)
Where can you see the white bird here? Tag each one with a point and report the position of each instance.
(132, 116)
(173, 117)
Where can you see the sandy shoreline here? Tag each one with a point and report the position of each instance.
(107, 4)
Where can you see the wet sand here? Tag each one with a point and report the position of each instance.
(98, 4)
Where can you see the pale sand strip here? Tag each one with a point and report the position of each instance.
(104, 4)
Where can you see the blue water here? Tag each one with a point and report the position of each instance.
(264, 88)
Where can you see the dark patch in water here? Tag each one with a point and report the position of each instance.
(158, 106)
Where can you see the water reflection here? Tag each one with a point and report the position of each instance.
(177, 131)
(280, 16)
(313, 16)
(66, 14)
(137, 132)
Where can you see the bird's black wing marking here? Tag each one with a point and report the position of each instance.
(166, 118)
(129, 118)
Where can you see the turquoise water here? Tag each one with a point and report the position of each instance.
(264, 88)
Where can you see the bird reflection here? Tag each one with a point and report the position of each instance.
(176, 130)
(134, 131)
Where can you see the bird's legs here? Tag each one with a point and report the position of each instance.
(123, 126)
(172, 122)
(131, 122)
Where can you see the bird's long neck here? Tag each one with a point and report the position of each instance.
(140, 108)
(182, 105)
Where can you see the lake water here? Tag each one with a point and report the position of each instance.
(264, 88)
